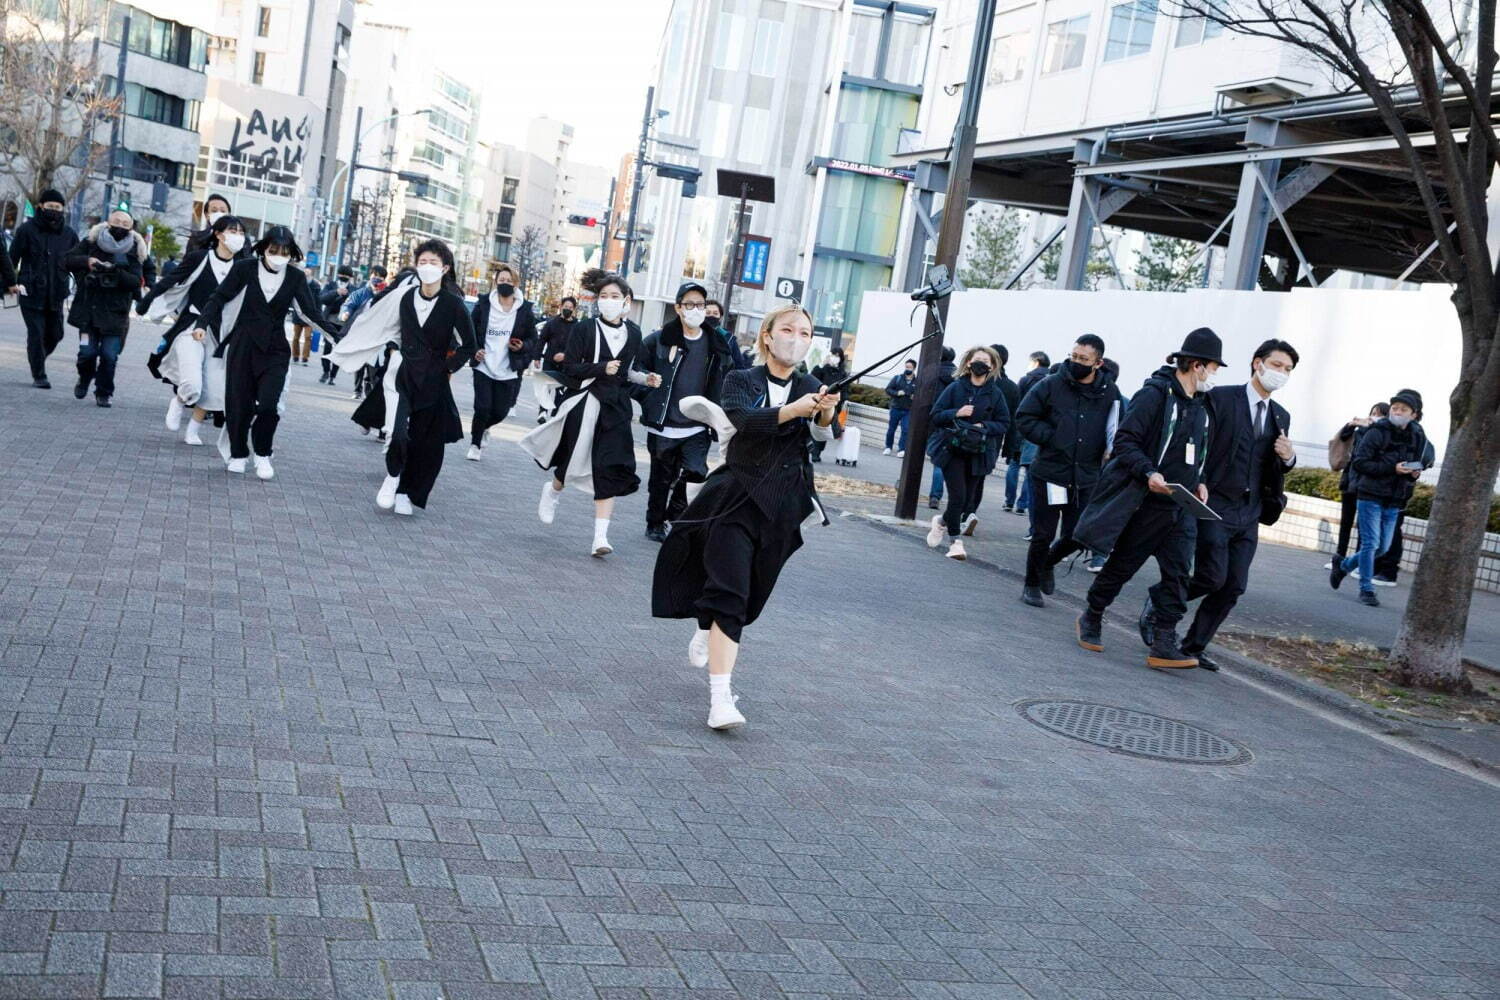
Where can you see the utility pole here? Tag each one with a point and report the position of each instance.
(359, 121)
(950, 236)
(117, 130)
(637, 183)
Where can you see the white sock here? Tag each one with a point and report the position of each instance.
(601, 527)
(718, 685)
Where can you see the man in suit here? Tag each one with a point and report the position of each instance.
(1248, 454)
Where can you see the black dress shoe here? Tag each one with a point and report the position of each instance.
(41, 383)
(1147, 622)
(656, 533)
(102, 401)
(1033, 597)
(1205, 662)
(1049, 580)
(81, 389)
(1337, 574)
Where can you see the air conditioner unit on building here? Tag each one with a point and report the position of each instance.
(1266, 90)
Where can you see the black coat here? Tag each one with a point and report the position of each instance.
(430, 353)
(613, 455)
(661, 354)
(553, 340)
(1030, 379)
(990, 413)
(902, 391)
(39, 256)
(1231, 439)
(261, 325)
(1140, 440)
(524, 331)
(1012, 447)
(104, 297)
(1380, 447)
(1068, 421)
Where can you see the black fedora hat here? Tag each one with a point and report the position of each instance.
(1202, 344)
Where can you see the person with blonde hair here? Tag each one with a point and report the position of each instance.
(721, 559)
(969, 421)
(505, 324)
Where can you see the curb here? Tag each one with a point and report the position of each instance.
(1367, 718)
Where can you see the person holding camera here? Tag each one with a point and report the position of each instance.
(969, 421)
(107, 266)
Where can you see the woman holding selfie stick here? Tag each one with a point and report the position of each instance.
(721, 560)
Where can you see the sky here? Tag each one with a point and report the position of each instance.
(584, 62)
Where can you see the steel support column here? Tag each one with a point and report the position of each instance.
(1091, 203)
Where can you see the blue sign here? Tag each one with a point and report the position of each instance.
(312, 258)
(756, 260)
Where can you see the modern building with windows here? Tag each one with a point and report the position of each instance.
(1122, 112)
(815, 94)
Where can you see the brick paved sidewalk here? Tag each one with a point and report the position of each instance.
(261, 740)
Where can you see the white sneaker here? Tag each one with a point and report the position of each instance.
(385, 499)
(1382, 582)
(1328, 565)
(263, 467)
(237, 465)
(901, 454)
(956, 550)
(174, 414)
(935, 536)
(192, 436)
(886, 452)
(698, 648)
(474, 453)
(403, 505)
(970, 523)
(547, 509)
(602, 547)
(722, 713)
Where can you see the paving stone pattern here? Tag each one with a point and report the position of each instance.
(261, 740)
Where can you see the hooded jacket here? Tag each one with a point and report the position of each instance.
(661, 353)
(990, 413)
(524, 330)
(1159, 412)
(39, 256)
(1068, 421)
(104, 297)
(1380, 447)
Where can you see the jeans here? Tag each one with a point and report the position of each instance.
(1377, 526)
(901, 419)
(936, 491)
(1023, 488)
(1012, 480)
(97, 354)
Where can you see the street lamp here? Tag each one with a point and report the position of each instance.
(353, 165)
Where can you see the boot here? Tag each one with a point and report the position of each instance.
(1033, 597)
(1147, 623)
(1090, 629)
(1167, 654)
(1049, 580)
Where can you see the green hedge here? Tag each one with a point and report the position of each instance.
(1325, 483)
(869, 395)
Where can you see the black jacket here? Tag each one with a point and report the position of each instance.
(989, 413)
(1227, 471)
(331, 300)
(1011, 449)
(902, 391)
(767, 458)
(1068, 421)
(553, 340)
(660, 354)
(1380, 447)
(1030, 379)
(39, 255)
(104, 297)
(524, 330)
(1159, 410)
(260, 324)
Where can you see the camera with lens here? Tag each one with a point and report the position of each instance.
(106, 276)
(940, 285)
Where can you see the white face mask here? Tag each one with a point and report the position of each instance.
(1400, 420)
(1271, 379)
(1206, 380)
(215, 217)
(233, 242)
(611, 309)
(276, 261)
(693, 318)
(789, 349)
(429, 273)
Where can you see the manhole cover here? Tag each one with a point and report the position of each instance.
(1139, 734)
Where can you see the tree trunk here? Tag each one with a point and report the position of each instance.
(1429, 648)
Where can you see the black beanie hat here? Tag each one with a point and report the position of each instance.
(1410, 397)
(51, 194)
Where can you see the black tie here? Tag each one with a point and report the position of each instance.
(1260, 416)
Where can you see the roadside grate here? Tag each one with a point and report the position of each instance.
(1138, 734)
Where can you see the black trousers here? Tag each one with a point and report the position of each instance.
(44, 331)
(1347, 503)
(416, 451)
(252, 387)
(1221, 572)
(743, 557)
(1160, 529)
(1042, 552)
(965, 489)
(329, 368)
(675, 462)
(493, 399)
(1388, 563)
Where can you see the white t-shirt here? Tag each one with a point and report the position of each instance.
(422, 305)
(502, 323)
(270, 281)
(220, 267)
(614, 336)
(777, 395)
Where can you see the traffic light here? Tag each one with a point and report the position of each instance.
(122, 203)
(583, 220)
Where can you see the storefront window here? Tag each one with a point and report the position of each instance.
(870, 122)
(839, 285)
